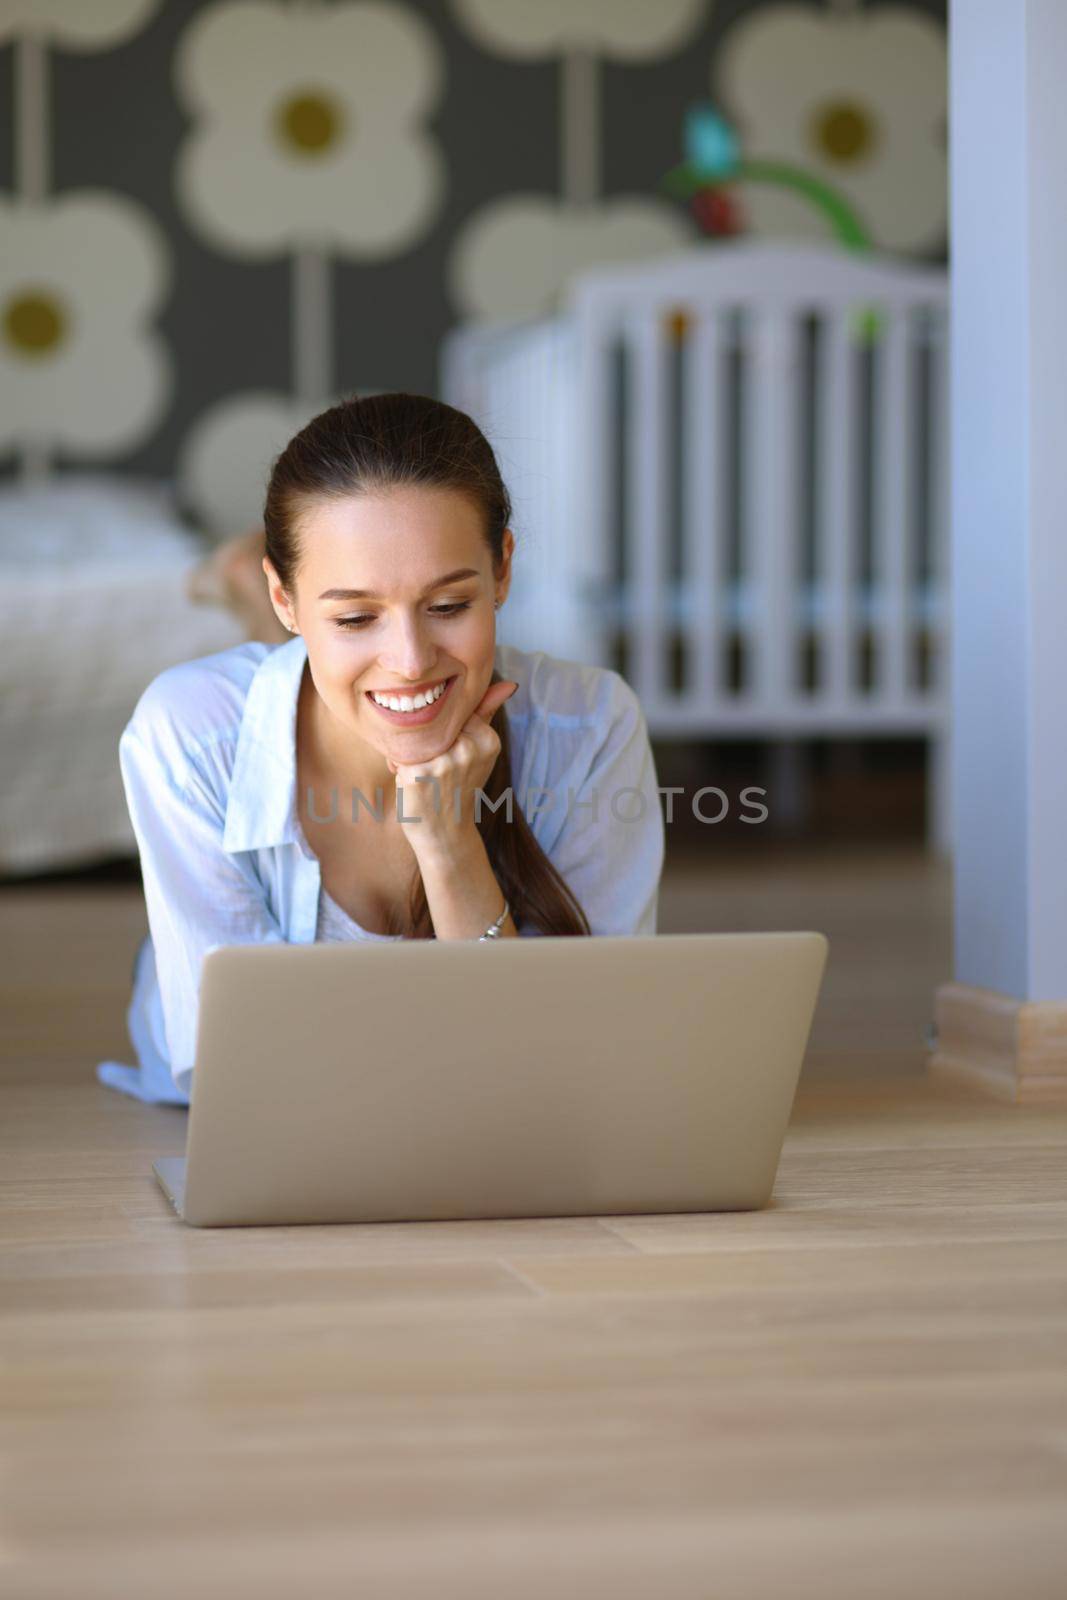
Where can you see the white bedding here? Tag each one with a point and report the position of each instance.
(92, 607)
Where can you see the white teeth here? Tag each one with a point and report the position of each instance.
(406, 702)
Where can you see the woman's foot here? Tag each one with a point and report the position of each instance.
(233, 576)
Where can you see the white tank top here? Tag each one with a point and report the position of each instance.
(334, 924)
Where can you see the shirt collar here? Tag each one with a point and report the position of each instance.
(261, 810)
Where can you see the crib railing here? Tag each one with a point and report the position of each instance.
(730, 476)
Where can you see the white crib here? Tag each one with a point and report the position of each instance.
(729, 473)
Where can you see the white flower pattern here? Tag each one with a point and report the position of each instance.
(227, 456)
(80, 364)
(857, 98)
(515, 258)
(630, 30)
(308, 127)
(75, 24)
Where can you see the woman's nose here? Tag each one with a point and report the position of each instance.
(410, 653)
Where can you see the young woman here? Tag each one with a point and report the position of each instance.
(365, 779)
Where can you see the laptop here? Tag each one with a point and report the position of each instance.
(422, 1081)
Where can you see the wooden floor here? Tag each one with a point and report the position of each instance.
(859, 1392)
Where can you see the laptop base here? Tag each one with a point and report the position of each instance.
(170, 1171)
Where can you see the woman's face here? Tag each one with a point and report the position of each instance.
(406, 631)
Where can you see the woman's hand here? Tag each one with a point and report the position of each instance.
(440, 792)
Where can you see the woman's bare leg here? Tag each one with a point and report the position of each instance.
(233, 576)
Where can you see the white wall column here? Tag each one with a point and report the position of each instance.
(1003, 1022)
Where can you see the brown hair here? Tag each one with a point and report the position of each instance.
(363, 446)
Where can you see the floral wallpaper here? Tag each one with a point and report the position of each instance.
(218, 215)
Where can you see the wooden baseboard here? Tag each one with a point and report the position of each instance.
(1012, 1049)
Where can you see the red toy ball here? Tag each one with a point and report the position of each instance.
(717, 210)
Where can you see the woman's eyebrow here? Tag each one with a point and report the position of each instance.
(367, 594)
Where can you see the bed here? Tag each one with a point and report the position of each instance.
(93, 604)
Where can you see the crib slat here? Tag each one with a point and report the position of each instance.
(769, 448)
(836, 499)
(892, 521)
(646, 452)
(593, 535)
(938, 515)
(702, 529)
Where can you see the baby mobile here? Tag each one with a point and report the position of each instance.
(714, 166)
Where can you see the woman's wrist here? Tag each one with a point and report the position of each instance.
(496, 927)
(449, 855)
(462, 893)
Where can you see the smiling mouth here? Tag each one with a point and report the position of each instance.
(417, 707)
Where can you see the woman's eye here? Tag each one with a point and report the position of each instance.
(437, 611)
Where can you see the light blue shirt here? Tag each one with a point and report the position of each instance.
(208, 763)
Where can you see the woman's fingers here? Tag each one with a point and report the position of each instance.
(473, 728)
(494, 698)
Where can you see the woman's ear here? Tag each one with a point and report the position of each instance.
(279, 600)
(503, 576)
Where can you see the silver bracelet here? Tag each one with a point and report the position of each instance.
(493, 930)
